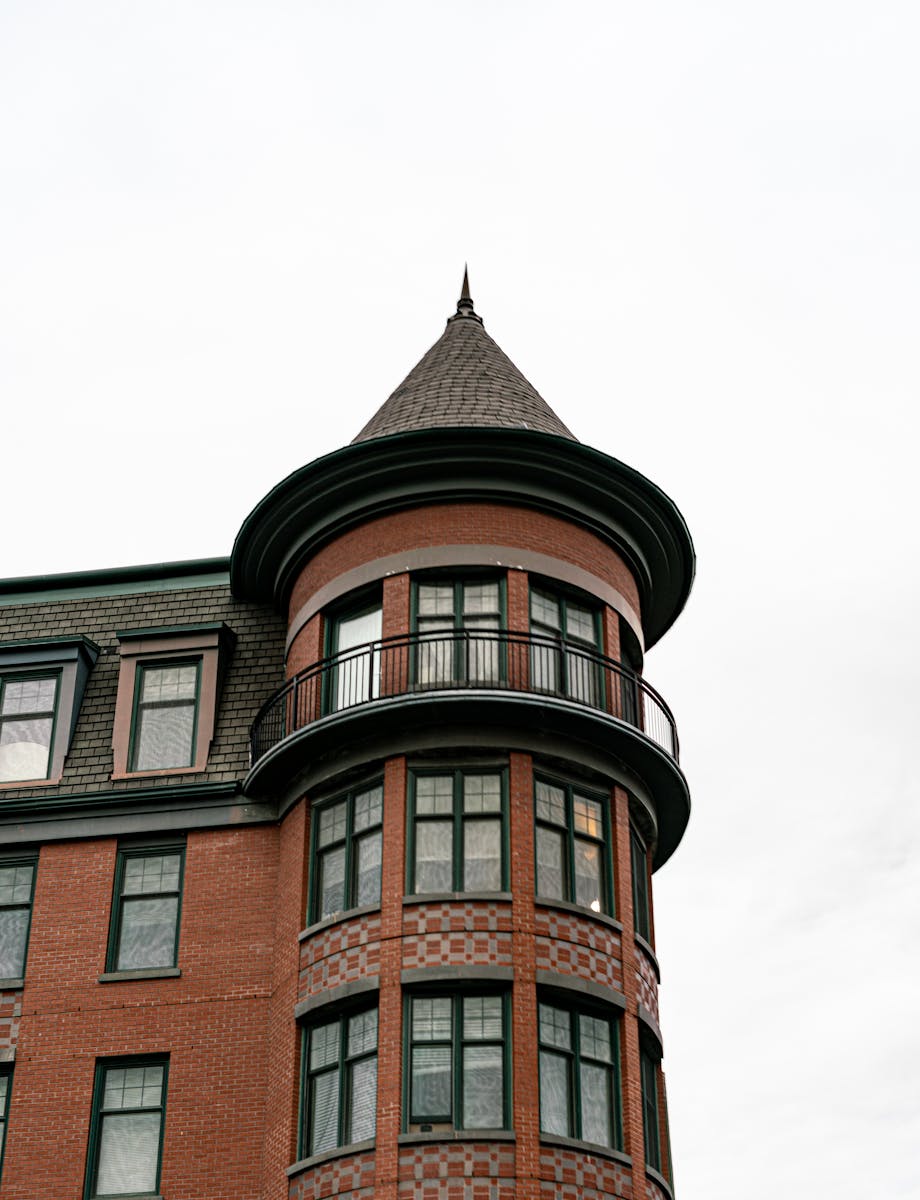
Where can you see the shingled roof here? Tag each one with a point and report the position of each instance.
(464, 379)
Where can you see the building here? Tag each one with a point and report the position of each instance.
(326, 868)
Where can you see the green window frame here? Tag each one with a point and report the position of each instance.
(455, 607)
(556, 617)
(346, 852)
(338, 1100)
(6, 1086)
(457, 831)
(17, 891)
(573, 859)
(355, 678)
(126, 1127)
(28, 718)
(146, 908)
(651, 1126)
(579, 1068)
(640, 885)
(457, 1051)
(164, 717)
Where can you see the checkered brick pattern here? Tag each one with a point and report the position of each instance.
(574, 945)
(572, 1175)
(350, 1177)
(10, 1012)
(457, 932)
(646, 982)
(457, 1171)
(342, 953)
(654, 1192)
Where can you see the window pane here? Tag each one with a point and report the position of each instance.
(29, 696)
(544, 666)
(482, 1018)
(555, 1109)
(431, 1082)
(332, 881)
(148, 933)
(132, 1087)
(324, 1045)
(482, 1087)
(129, 1146)
(362, 1033)
(594, 1039)
(164, 737)
(550, 803)
(434, 656)
(588, 874)
(324, 1113)
(155, 873)
(436, 599)
(579, 623)
(332, 823)
(555, 1027)
(596, 1104)
(16, 884)
(481, 653)
(431, 1019)
(544, 610)
(368, 809)
(583, 683)
(434, 856)
(369, 865)
(14, 924)
(24, 747)
(482, 867)
(480, 597)
(589, 816)
(160, 684)
(482, 793)
(550, 874)
(434, 794)
(363, 1100)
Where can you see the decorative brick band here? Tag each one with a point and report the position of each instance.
(573, 1175)
(348, 1177)
(473, 1170)
(569, 944)
(646, 982)
(10, 1012)
(339, 954)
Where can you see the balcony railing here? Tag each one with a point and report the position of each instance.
(460, 660)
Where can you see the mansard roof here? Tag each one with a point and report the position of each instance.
(465, 379)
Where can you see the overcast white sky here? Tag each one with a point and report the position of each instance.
(230, 229)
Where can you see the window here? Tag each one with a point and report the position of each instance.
(457, 832)
(572, 850)
(579, 1074)
(650, 1125)
(145, 909)
(6, 1080)
(639, 862)
(347, 852)
(126, 1139)
(17, 883)
(573, 671)
(41, 688)
(339, 1082)
(458, 609)
(356, 675)
(457, 1062)
(168, 682)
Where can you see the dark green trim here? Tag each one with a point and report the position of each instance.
(6, 1072)
(112, 581)
(650, 1109)
(343, 1071)
(162, 664)
(458, 819)
(92, 1155)
(348, 842)
(638, 863)
(56, 647)
(516, 466)
(22, 860)
(572, 836)
(136, 635)
(126, 853)
(7, 678)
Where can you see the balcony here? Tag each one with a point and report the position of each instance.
(464, 660)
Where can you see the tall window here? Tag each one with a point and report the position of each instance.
(356, 674)
(639, 863)
(17, 881)
(339, 1082)
(145, 910)
(571, 671)
(458, 832)
(126, 1140)
(572, 849)
(27, 708)
(458, 609)
(347, 852)
(165, 709)
(650, 1124)
(6, 1080)
(579, 1074)
(457, 1062)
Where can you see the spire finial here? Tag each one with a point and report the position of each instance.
(465, 303)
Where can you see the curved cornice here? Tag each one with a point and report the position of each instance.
(429, 466)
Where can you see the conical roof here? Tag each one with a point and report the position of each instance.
(464, 379)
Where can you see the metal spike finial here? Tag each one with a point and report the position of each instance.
(465, 303)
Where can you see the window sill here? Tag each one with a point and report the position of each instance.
(141, 973)
(578, 910)
(567, 1143)
(315, 1160)
(456, 897)
(7, 784)
(347, 914)
(161, 773)
(658, 1178)
(10, 982)
(458, 1135)
(649, 954)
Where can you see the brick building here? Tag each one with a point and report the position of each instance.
(325, 869)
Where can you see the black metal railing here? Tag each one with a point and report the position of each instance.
(459, 660)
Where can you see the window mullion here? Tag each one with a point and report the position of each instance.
(576, 1075)
(459, 846)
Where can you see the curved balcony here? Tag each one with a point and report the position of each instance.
(454, 660)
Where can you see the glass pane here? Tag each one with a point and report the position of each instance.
(368, 809)
(544, 610)
(482, 1087)
(550, 873)
(434, 794)
(431, 1083)
(357, 676)
(324, 1113)
(582, 677)
(369, 865)
(580, 624)
(24, 749)
(595, 1104)
(482, 793)
(594, 1039)
(129, 1145)
(555, 1027)
(480, 597)
(431, 1019)
(132, 1087)
(481, 654)
(550, 803)
(482, 1018)
(545, 662)
(436, 599)
(169, 683)
(148, 933)
(588, 815)
(363, 1100)
(555, 1103)
(362, 1033)
(588, 874)
(332, 823)
(14, 924)
(434, 856)
(164, 737)
(434, 656)
(4, 1088)
(482, 866)
(29, 696)
(16, 884)
(332, 881)
(324, 1045)
(156, 873)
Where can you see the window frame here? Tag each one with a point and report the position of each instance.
(649, 1065)
(564, 596)
(138, 705)
(349, 841)
(349, 608)
(641, 889)
(574, 1057)
(7, 678)
(458, 821)
(344, 1066)
(608, 906)
(456, 996)
(6, 1072)
(21, 860)
(125, 853)
(459, 677)
(97, 1118)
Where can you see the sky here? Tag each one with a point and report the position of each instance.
(227, 232)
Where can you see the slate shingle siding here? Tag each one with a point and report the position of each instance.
(255, 670)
